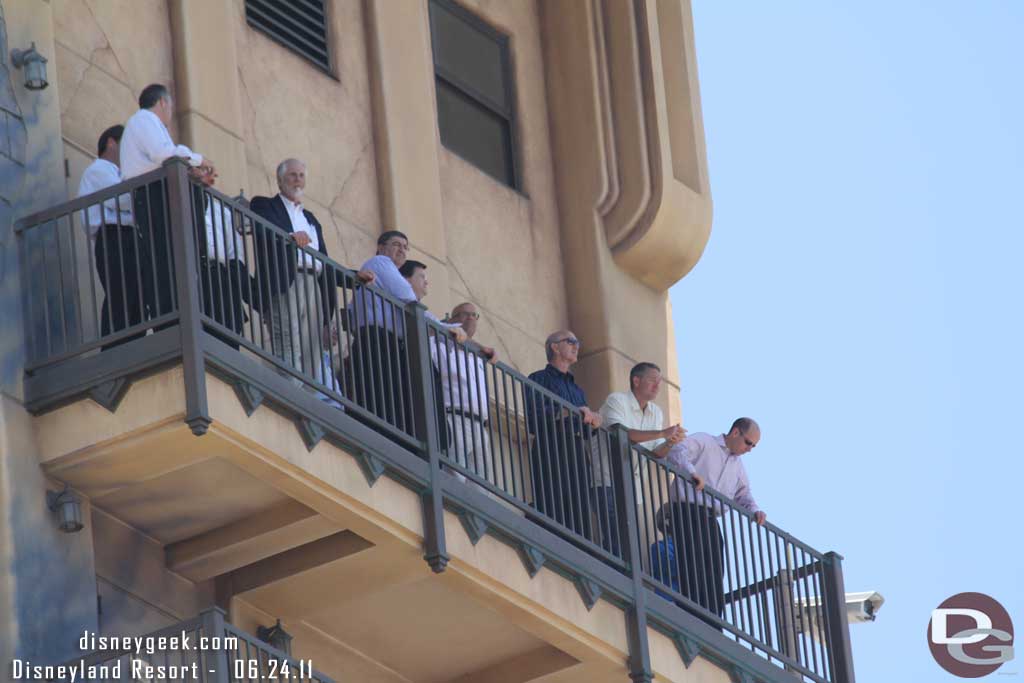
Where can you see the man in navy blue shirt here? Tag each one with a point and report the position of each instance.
(559, 458)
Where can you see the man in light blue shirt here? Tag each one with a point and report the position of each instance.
(378, 367)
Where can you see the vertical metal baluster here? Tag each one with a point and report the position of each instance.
(172, 266)
(95, 309)
(227, 227)
(46, 293)
(73, 236)
(826, 622)
(61, 285)
(503, 410)
(748, 598)
(727, 551)
(697, 592)
(669, 526)
(812, 644)
(516, 413)
(762, 579)
(800, 651)
(137, 282)
(390, 366)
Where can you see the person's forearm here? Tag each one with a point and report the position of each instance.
(641, 435)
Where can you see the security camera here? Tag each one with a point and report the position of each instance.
(860, 607)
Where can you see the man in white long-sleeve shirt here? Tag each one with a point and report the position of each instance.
(145, 146)
(116, 240)
(715, 461)
(464, 383)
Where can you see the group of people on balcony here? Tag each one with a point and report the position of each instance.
(295, 294)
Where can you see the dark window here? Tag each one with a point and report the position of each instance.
(475, 94)
(300, 25)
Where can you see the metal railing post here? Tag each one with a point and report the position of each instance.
(181, 228)
(425, 420)
(215, 664)
(834, 610)
(626, 515)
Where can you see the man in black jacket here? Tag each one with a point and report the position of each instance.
(297, 292)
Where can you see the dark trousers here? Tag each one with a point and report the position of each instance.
(156, 257)
(561, 485)
(698, 550)
(117, 264)
(607, 518)
(222, 297)
(377, 377)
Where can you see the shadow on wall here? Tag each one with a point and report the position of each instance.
(52, 573)
(12, 177)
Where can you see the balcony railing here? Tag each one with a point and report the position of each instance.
(191, 276)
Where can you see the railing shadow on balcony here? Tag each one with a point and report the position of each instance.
(194, 277)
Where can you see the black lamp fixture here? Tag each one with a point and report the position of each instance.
(276, 637)
(67, 507)
(34, 65)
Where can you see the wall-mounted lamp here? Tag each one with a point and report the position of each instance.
(67, 507)
(34, 65)
(276, 636)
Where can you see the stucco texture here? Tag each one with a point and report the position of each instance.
(290, 108)
(504, 252)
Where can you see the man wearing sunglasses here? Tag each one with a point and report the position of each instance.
(562, 431)
(714, 460)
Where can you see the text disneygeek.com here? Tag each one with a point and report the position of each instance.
(129, 659)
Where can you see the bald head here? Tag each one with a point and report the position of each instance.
(466, 315)
(743, 436)
(562, 346)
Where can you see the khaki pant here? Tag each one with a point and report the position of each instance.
(469, 445)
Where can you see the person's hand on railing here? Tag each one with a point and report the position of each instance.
(367, 277)
(302, 238)
(490, 354)
(698, 482)
(590, 417)
(458, 334)
(760, 516)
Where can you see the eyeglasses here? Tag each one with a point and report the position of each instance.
(466, 314)
(397, 243)
(571, 341)
(750, 444)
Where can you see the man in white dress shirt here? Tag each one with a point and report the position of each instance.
(224, 281)
(714, 460)
(464, 395)
(642, 417)
(145, 146)
(116, 241)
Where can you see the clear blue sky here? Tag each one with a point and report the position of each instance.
(863, 285)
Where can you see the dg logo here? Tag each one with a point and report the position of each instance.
(970, 635)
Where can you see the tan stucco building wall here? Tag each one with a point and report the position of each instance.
(614, 205)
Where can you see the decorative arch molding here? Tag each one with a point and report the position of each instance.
(655, 204)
